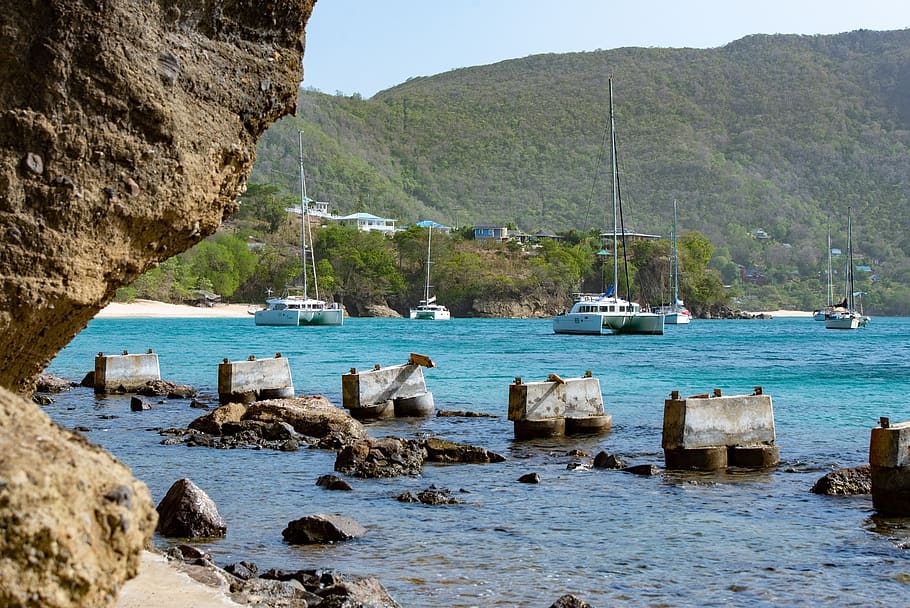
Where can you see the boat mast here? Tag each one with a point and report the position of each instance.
(850, 303)
(830, 270)
(614, 171)
(304, 222)
(675, 262)
(426, 293)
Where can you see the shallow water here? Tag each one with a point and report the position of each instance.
(733, 538)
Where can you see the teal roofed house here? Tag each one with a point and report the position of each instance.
(434, 225)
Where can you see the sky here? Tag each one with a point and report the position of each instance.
(365, 46)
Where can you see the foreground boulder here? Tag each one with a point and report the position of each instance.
(74, 520)
(318, 529)
(852, 481)
(186, 511)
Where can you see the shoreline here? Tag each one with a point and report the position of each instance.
(151, 309)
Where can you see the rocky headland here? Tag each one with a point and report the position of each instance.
(128, 131)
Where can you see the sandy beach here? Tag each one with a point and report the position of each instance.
(150, 309)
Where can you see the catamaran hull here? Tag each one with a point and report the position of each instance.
(677, 318)
(292, 318)
(431, 315)
(593, 324)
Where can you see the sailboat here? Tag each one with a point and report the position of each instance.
(676, 313)
(428, 308)
(822, 314)
(845, 316)
(606, 312)
(299, 309)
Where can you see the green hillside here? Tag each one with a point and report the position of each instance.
(780, 133)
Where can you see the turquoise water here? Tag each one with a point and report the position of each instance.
(736, 538)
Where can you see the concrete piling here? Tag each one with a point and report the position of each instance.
(557, 407)
(382, 392)
(711, 432)
(889, 462)
(125, 372)
(254, 380)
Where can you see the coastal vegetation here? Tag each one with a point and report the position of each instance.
(765, 143)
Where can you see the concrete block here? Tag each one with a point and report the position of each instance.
(891, 490)
(753, 457)
(367, 388)
(127, 371)
(536, 429)
(702, 422)
(574, 397)
(371, 412)
(589, 425)
(415, 407)
(699, 459)
(254, 380)
(889, 445)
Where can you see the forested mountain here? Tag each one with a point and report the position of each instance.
(779, 133)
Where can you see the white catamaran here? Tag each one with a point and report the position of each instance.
(300, 309)
(607, 313)
(428, 309)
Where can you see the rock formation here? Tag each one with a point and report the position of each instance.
(74, 520)
(127, 130)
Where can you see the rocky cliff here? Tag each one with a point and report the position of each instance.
(127, 129)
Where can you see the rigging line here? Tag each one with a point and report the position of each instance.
(601, 161)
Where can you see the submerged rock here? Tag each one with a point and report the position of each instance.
(318, 529)
(608, 461)
(570, 601)
(375, 458)
(430, 496)
(442, 450)
(333, 482)
(851, 481)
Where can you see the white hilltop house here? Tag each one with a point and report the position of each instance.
(368, 222)
(315, 209)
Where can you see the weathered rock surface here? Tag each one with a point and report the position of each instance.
(442, 450)
(430, 496)
(49, 383)
(163, 388)
(315, 529)
(393, 456)
(608, 461)
(845, 482)
(128, 130)
(74, 520)
(388, 457)
(276, 423)
(313, 416)
(570, 601)
(186, 511)
(333, 482)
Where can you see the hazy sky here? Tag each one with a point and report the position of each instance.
(364, 46)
